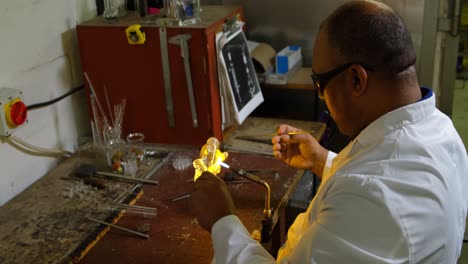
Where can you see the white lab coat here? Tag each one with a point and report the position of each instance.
(395, 194)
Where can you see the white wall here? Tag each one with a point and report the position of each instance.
(39, 55)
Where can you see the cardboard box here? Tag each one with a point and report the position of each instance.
(282, 79)
(287, 58)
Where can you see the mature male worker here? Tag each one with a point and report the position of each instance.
(396, 193)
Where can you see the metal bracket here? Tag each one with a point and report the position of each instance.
(231, 26)
(451, 23)
(166, 76)
(182, 41)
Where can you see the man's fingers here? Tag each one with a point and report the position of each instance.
(276, 139)
(281, 129)
(284, 129)
(298, 138)
(277, 154)
(206, 177)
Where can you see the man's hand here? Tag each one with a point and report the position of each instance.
(301, 151)
(211, 200)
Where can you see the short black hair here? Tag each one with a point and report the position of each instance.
(364, 32)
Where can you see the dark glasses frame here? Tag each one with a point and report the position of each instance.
(320, 80)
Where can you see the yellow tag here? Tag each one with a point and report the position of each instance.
(135, 35)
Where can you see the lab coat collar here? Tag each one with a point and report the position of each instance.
(377, 130)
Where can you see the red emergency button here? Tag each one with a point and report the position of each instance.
(18, 113)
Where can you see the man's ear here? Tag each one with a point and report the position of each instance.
(359, 76)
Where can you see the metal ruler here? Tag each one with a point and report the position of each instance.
(182, 41)
(166, 76)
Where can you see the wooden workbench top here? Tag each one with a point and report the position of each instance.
(48, 220)
(261, 126)
(175, 236)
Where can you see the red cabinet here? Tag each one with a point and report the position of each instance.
(135, 72)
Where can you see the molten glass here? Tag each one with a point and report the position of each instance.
(210, 158)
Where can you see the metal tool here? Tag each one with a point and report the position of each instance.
(227, 147)
(135, 206)
(166, 76)
(132, 179)
(133, 209)
(256, 179)
(255, 139)
(119, 227)
(182, 41)
(229, 177)
(132, 189)
(267, 211)
(88, 170)
(180, 197)
(275, 134)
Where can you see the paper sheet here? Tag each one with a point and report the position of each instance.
(239, 88)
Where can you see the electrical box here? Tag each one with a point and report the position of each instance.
(13, 112)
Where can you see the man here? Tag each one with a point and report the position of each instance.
(396, 193)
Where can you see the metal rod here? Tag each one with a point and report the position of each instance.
(91, 87)
(145, 211)
(256, 139)
(166, 76)
(132, 189)
(230, 147)
(184, 196)
(135, 207)
(114, 175)
(256, 179)
(275, 134)
(119, 227)
(61, 260)
(108, 107)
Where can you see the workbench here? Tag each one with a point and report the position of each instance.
(47, 222)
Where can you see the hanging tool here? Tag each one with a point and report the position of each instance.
(182, 41)
(166, 76)
(88, 170)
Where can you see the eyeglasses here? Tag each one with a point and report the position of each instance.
(320, 80)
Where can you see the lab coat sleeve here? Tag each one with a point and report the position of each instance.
(232, 243)
(302, 223)
(328, 165)
(352, 226)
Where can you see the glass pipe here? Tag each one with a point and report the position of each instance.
(210, 158)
